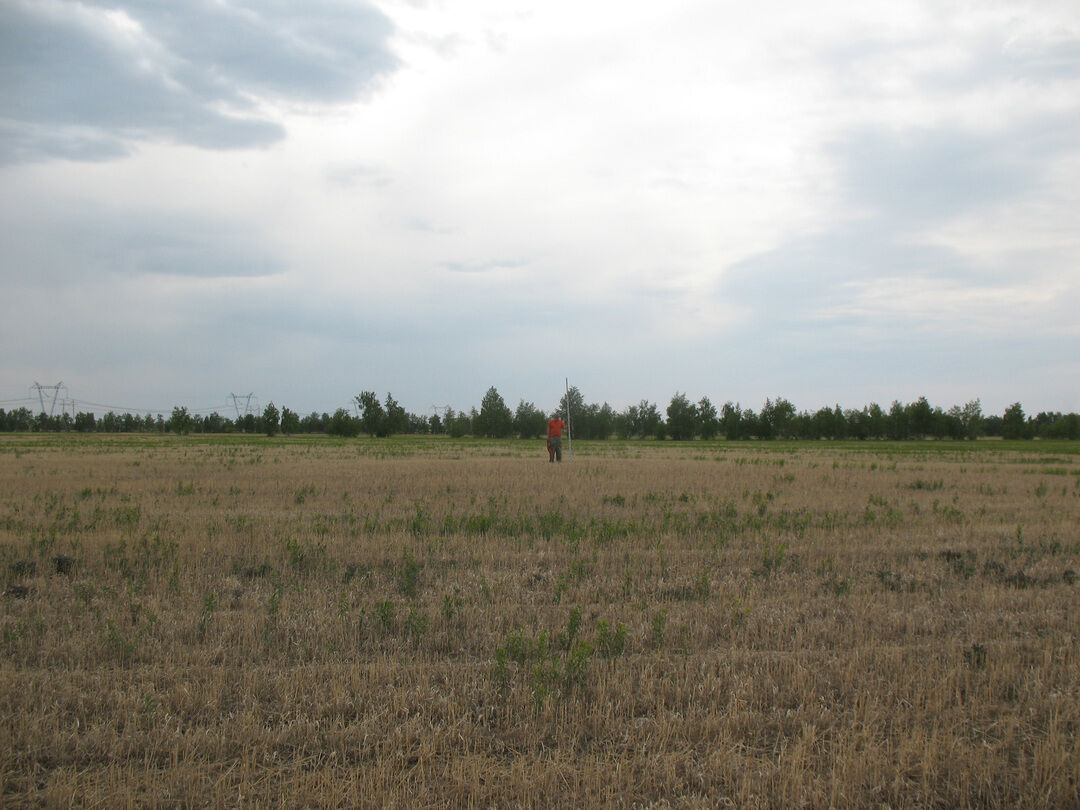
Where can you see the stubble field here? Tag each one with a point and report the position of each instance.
(250, 622)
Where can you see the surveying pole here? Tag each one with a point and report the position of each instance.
(569, 433)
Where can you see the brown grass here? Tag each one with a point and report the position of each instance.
(322, 623)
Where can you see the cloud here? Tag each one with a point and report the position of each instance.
(1027, 59)
(913, 177)
(954, 142)
(353, 175)
(918, 177)
(25, 142)
(322, 50)
(83, 81)
(833, 203)
(102, 247)
(880, 276)
(928, 279)
(487, 266)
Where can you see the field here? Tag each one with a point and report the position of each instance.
(254, 622)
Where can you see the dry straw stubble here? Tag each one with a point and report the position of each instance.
(436, 623)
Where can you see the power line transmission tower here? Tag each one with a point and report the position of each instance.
(445, 412)
(41, 389)
(246, 399)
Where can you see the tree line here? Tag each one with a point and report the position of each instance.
(681, 420)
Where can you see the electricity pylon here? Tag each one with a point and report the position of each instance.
(246, 398)
(56, 389)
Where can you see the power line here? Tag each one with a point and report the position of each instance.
(123, 408)
(53, 398)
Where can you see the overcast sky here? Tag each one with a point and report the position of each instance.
(835, 202)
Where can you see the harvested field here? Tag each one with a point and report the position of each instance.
(192, 621)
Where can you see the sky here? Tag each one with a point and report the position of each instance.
(835, 202)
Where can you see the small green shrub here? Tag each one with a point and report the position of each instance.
(384, 612)
(610, 641)
(659, 624)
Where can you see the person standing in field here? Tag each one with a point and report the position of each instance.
(554, 440)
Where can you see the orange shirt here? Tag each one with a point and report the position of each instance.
(555, 427)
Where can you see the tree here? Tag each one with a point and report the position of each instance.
(457, 424)
(495, 419)
(920, 417)
(372, 415)
(1053, 425)
(650, 422)
(1067, 427)
(529, 422)
(1038, 425)
(290, 422)
(576, 403)
(820, 425)
(971, 419)
(899, 428)
(954, 422)
(855, 423)
(626, 422)
(343, 423)
(314, 423)
(215, 423)
(765, 421)
(939, 424)
(417, 424)
(876, 422)
(708, 422)
(749, 424)
(180, 421)
(682, 418)
(271, 420)
(377, 420)
(587, 420)
(604, 425)
(839, 423)
(730, 417)
(397, 420)
(1013, 423)
(775, 419)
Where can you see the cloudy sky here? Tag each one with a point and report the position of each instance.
(835, 202)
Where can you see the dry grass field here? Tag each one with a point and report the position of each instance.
(253, 622)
